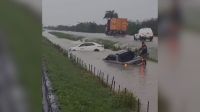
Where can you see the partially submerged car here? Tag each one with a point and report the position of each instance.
(125, 57)
(88, 46)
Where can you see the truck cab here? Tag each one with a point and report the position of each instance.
(144, 34)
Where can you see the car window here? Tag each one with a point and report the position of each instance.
(126, 56)
(86, 44)
(112, 57)
(82, 45)
(89, 44)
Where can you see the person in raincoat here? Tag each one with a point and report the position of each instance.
(143, 50)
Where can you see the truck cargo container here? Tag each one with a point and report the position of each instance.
(117, 26)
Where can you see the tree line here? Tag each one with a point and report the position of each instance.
(89, 27)
(92, 27)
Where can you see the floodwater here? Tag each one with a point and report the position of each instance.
(127, 40)
(123, 41)
(137, 79)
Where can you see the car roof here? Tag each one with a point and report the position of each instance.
(90, 42)
(120, 52)
(145, 30)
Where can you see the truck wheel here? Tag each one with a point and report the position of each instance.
(135, 38)
(150, 39)
(96, 50)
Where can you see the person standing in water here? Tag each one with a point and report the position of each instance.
(143, 52)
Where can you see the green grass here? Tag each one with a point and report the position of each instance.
(107, 43)
(66, 36)
(77, 90)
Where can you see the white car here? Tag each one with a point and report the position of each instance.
(144, 34)
(88, 46)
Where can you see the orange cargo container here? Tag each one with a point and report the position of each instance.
(124, 24)
(119, 24)
(114, 25)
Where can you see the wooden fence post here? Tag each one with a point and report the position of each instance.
(99, 72)
(114, 86)
(98, 75)
(102, 78)
(82, 63)
(94, 70)
(119, 89)
(138, 105)
(91, 67)
(77, 60)
(112, 82)
(107, 79)
(148, 106)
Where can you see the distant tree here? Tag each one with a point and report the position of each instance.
(110, 14)
(133, 27)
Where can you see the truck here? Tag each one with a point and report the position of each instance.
(116, 26)
(144, 34)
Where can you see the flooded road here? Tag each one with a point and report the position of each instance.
(142, 82)
(123, 41)
(127, 40)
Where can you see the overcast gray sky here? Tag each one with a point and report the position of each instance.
(70, 12)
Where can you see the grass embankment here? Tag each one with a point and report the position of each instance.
(78, 90)
(66, 36)
(108, 44)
